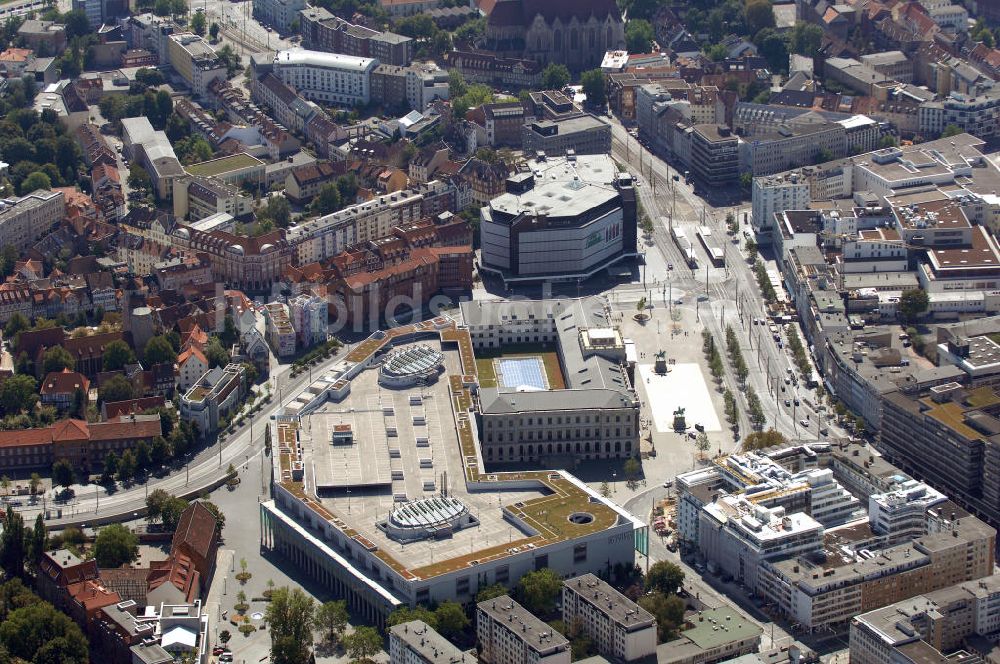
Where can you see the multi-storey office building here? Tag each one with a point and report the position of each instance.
(573, 217)
(585, 134)
(195, 61)
(216, 395)
(913, 540)
(714, 155)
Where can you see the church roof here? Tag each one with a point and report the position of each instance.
(522, 12)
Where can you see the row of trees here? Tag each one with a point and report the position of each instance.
(764, 282)
(736, 355)
(712, 355)
(798, 351)
(755, 411)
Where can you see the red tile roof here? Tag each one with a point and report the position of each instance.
(197, 529)
(131, 407)
(69, 430)
(64, 382)
(125, 428)
(26, 437)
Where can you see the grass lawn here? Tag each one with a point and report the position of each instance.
(547, 353)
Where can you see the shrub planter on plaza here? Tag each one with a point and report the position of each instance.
(640, 318)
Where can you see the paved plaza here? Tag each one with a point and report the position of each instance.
(683, 386)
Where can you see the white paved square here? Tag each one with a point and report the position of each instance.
(683, 387)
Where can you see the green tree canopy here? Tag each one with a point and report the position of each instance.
(115, 545)
(35, 181)
(639, 36)
(220, 517)
(539, 590)
(805, 38)
(40, 633)
(665, 576)
(758, 440)
(363, 643)
(332, 618)
(159, 350)
(62, 473)
(19, 393)
(155, 502)
(912, 303)
(491, 592)
(56, 359)
(13, 542)
(117, 354)
(593, 86)
(127, 466)
(77, 23)
(759, 15)
(216, 355)
(451, 619)
(199, 23)
(327, 200)
(951, 130)
(290, 616)
(171, 510)
(405, 614)
(668, 611)
(277, 210)
(17, 322)
(116, 388)
(555, 76)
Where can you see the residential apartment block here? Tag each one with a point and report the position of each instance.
(322, 31)
(510, 634)
(278, 13)
(309, 316)
(26, 219)
(245, 262)
(280, 331)
(944, 625)
(618, 627)
(415, 642)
